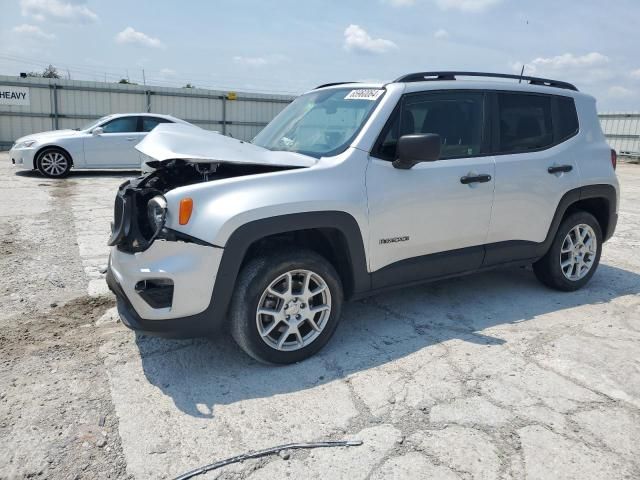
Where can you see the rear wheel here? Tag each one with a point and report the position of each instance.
(54, 163)
(574, 254)
(286, 306)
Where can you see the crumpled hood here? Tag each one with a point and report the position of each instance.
(174, 141)
(46, 135)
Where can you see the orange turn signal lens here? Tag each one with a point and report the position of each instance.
(186, 207)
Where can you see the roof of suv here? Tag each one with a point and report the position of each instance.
(478, 80)
(452, 75)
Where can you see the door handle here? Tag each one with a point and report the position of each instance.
(559, 169)
(482, 178)
(131, 139)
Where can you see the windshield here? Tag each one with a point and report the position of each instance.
(93, 123)
(320, 123)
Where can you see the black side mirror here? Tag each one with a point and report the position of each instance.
(416, 148)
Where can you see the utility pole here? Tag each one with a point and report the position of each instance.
(144, 80)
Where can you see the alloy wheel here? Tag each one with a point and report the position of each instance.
(293, 310)
(578, 252)
(54, 163)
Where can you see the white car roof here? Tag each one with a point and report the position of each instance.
(147, 114)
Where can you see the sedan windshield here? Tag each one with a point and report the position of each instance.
(321, 123)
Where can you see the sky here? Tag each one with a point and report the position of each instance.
(286, 46)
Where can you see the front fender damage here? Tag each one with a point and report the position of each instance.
(185, 155)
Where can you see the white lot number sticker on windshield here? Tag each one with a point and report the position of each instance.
(364, 94)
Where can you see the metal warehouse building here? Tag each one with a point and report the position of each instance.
(29, 105)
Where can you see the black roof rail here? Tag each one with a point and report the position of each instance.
(430, 76)
(332, 84)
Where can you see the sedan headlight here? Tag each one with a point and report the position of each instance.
(26, 144)
(157, 213)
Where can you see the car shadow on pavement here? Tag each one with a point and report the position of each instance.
(200, 374)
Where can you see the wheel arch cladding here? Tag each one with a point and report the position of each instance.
(241, 240)
(598, 200)
(329, 242)
(598, 207)
(333, 234)
(44, 148)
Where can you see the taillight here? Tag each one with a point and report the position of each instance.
(614, 159)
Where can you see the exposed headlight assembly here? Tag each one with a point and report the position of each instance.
(157, 213)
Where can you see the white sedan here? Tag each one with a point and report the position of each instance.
(104, 143)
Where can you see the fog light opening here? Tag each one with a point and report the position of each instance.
(157, 292)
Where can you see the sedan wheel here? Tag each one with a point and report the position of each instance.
(54, 163)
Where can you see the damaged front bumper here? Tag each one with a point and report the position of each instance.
(163, 279)
(191, 271)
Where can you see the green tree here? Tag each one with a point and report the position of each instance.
(50, 72)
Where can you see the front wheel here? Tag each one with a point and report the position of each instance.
(574, 254)
(54, 163)
(286, 306)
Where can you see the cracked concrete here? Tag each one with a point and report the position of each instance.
(467, 451)
(481, 377)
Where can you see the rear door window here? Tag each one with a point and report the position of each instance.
(149, 123)
(524, 122)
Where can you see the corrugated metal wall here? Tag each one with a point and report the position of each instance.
(57, 104)
(623, 132)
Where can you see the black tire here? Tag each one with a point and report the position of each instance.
(252, 282)
(548, 269)
(54, 163)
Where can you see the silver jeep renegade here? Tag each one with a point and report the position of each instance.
(354, 188)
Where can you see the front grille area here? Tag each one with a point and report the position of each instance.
(130, 230)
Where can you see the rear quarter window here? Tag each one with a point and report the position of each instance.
(567, 118)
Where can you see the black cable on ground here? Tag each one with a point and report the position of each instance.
(268, 451)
